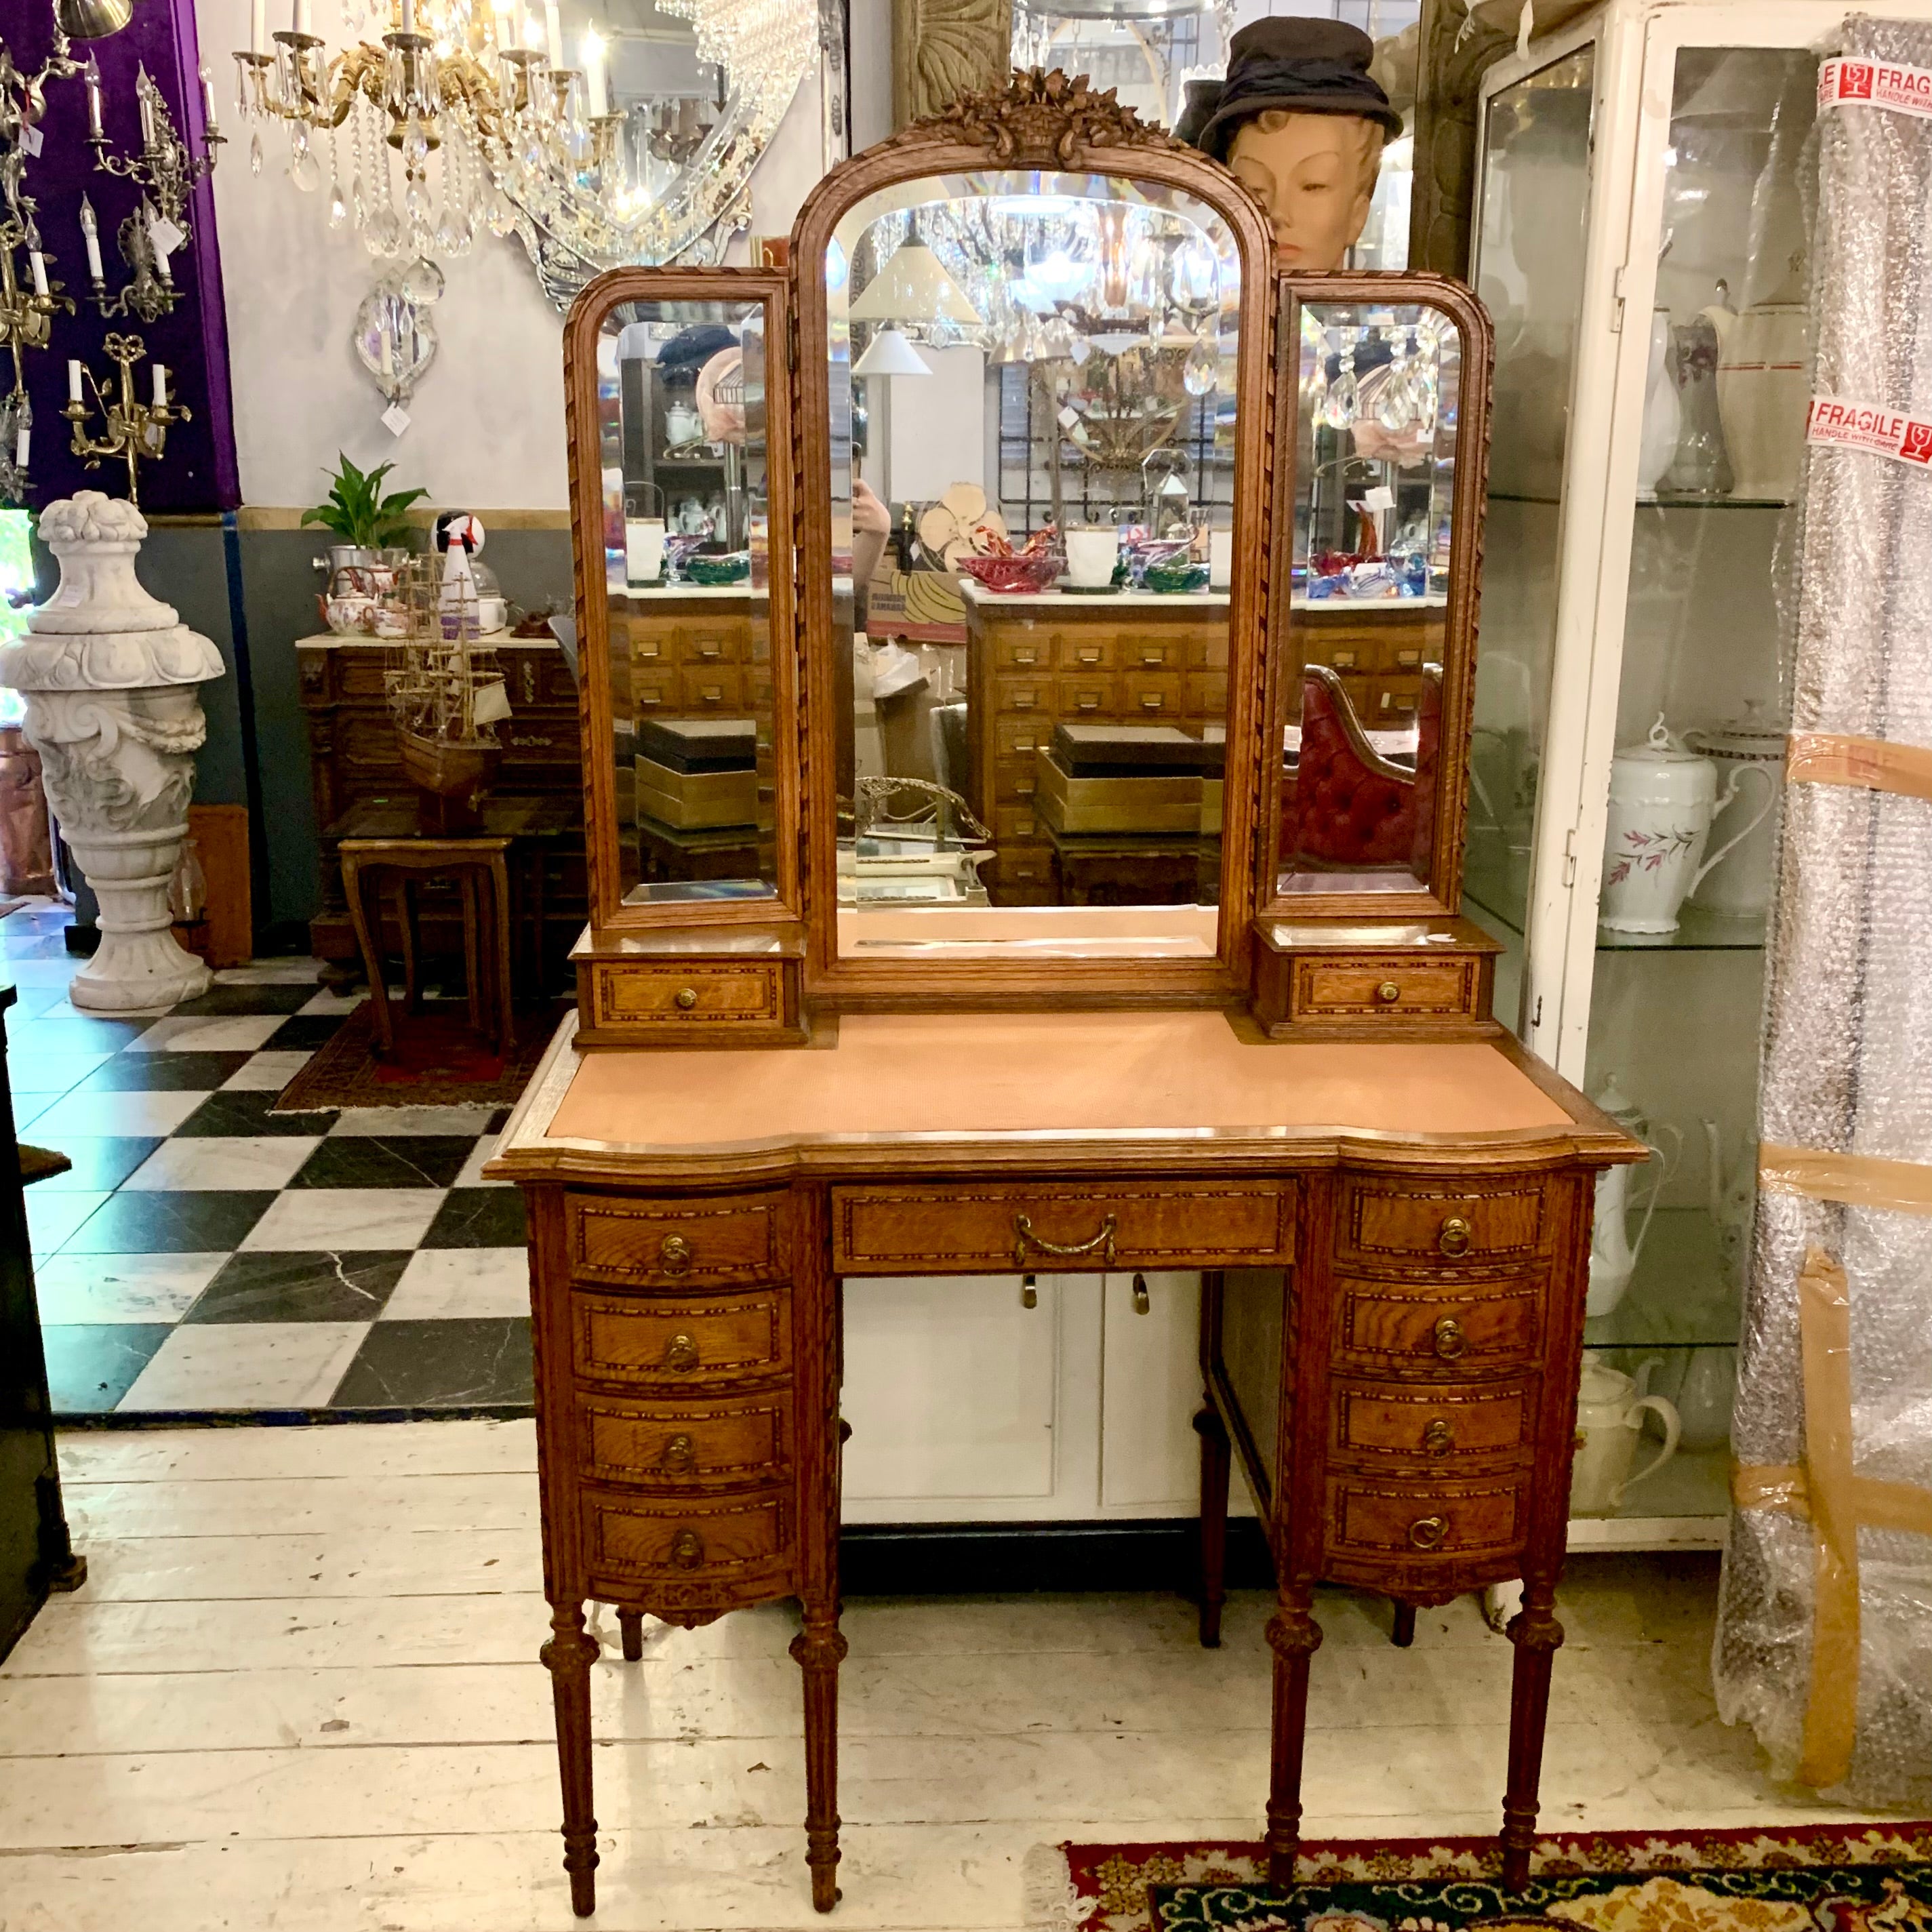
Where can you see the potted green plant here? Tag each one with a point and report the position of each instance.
(364, 520)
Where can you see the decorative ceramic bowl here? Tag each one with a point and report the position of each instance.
(733, 568)
(1010, 575)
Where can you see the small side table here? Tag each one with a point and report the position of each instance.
(481, 868)
(1111, 868)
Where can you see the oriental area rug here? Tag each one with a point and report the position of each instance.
(438, 1063)
(1856, 1878)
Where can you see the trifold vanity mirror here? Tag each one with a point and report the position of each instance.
(947, 636)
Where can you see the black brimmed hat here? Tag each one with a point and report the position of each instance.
(1300, 66)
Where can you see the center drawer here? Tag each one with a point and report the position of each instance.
(977, 1228)
(669, 1343)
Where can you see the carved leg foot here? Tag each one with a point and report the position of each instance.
(1403, 1633)
(1214, 1467)
(820, 1649)
(631, 1625)
(569, 1656)
(1294, 1636)
(1537, 1636)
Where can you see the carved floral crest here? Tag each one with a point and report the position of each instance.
(1038, 118)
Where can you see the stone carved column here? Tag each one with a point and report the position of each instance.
(942, 49)
(109, 674)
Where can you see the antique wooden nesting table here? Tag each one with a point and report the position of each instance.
(1396, 1237)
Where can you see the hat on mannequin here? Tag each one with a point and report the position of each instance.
(1301, 120)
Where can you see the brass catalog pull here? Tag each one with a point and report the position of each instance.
(1439, 1438)
(681, 1354)
(1102, 1242)
(674, 1254)
(687, 1548)
(1427, 1532)
(1450, 1341)
(679, 1452)
(1453, 1238)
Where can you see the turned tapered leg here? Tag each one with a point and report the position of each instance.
(569, 1656)
(1294, 1636)
(820, 1649)
(1214, 1464)
(1403, 1634)
(630, 1626)
(1537, 1636)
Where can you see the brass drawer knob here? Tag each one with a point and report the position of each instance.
(687, 997)
(1453, 1236)
(1449, 1340)
(679, 1453)
(1439, 1438)
(1426, 1532)
(687, 1548)
(674, 1254)
(681, 1354)
(1388, 992)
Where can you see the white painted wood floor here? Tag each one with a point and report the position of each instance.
(300, 1693)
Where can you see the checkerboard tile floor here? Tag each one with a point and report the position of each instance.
(203, 1258)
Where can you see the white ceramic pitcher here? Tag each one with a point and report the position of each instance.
(1609, 1420)
(1613, 1253)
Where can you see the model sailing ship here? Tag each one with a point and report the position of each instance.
(446, 695)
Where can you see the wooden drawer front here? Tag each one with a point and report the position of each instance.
(653, 687)
(1020, 737)
(1015, 780)
(719, 1241)
(703, 690)
(1207, 694)
(716, 1540)
(690, 1341)
(1428, 1335)
(976, 1228)
(1027, 653)
(740, 996)
(1422, 1519)
(699, 648)
(1088, 695)
(649, 649)
(1152, 694)
(675, 1446)
(1437, 1426)
(1025, 693)
(1021, 869)
(1012, 822)
(1395, 983)
(1207, 650)
(1083, 651)
(1475, 1228)
(1153, 654)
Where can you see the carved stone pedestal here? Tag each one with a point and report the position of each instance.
(109, 675)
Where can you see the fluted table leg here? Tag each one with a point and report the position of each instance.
(1294, 1636)
(567, 1656)
(1537, 1636)
(820, 1649)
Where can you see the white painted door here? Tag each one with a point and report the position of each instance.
(1150, 1390)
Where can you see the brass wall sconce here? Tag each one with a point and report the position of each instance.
(136, 432)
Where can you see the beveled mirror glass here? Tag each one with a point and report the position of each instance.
(1381, 389)
(678, 655)
(1034, 393)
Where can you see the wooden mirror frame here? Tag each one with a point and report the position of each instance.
(611, 920)
(1467, 505)
(1049, 123)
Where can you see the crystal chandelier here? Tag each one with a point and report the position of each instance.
(493, 126)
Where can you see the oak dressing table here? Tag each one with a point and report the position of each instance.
(848, 1066)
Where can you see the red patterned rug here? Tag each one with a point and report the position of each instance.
(1825, 1878)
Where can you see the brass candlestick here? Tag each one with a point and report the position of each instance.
(136, 432)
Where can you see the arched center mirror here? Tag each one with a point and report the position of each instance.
(1032, 414)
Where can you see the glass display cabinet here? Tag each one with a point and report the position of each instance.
(1639, 244)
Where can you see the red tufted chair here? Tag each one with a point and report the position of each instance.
(1349, 809)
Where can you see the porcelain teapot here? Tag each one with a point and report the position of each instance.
(1613, 1254)
(682, 423)
(1663, 800)
(1610, 1409)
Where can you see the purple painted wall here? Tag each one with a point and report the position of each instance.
(199, 471)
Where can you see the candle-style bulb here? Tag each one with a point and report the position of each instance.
(93, 84)
(73, 380)
(90, 234)
(161, 385)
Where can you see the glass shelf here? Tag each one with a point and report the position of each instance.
(1685, 1505)
(1698, 930)
(1681, 1296)
(1662, 501)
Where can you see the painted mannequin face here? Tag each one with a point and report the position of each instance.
(1315, 174)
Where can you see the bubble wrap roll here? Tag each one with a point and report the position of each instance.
(1847, 1064)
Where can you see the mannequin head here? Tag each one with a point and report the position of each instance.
(1301, 122)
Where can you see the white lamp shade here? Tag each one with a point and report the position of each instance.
(890, 354)
(913, 286)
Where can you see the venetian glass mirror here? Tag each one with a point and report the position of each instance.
(1033, 391)
(679, 658)
(1382, 392)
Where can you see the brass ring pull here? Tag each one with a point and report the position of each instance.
(679, 1453)
(687, 997)
(1453, 1238)
(1388, 992)
(1103, 1241)
(1450, 1340)
(680, 1353)
(687, 1548)
(1439, 1438)
(1427, 1532)
(674, 1254)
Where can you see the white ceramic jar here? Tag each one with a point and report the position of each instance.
(1609, 1420)
(1092, 551)
(1662, 799)
(1738, 881)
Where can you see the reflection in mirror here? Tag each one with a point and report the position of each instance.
(1033, 416)
(1360, 698)
(681, 391)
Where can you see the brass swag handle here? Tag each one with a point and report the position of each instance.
(1427, 1532)
(1023, 1234)
(680, 1353)
(1453, 1237)
(675, 1254)
(687, 1548)
(1449, 1340)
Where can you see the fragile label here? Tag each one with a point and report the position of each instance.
(1868, 83)
(32, 140)
(1837, 424)
(395, 419)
